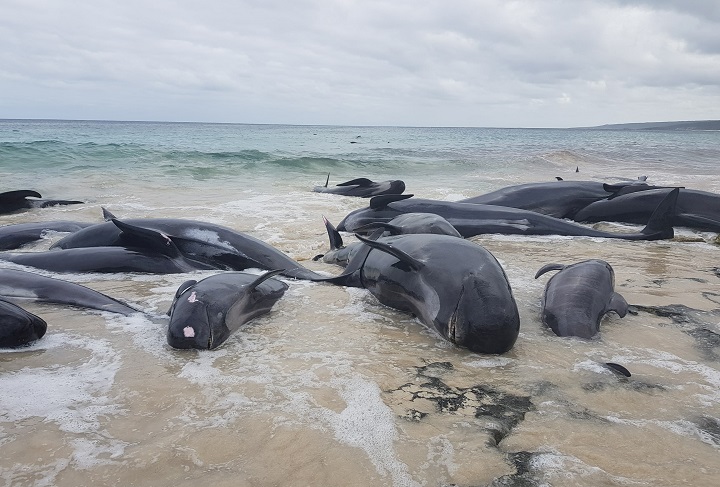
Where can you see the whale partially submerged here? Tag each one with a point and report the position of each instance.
(453, 286)
(578, 297)
(12, 201)
(19, 327)
(205, 313)
(476, 219)
(362, 187)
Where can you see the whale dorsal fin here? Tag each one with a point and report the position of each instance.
(378, 202)
(20, 194)
(559, 178)
(148, 238)
(336, 241)
(107, 215)
(411, 261)
(618, 305)
(548, 268)
(327, 180)
(363, 182)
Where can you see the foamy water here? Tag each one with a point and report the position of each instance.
(332, 388)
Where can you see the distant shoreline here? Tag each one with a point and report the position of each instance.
(685, 125)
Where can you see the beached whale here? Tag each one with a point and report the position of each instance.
(578, 297)
(148, 252)
(476, 219)
(561, 199)
(11, 201)
(363, 187)
(19, 327)
(209, 245)
(17, 235)
(16, 284)
(454, 286)
(413, 223)
(205, 313)
(409, 223)
(694, 209)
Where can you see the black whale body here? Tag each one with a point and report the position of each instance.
(560, 199)
(27, 285)
(19, 327)
(363, 187)
(17, 235)
(578, 297)
(212, 246)
(476, 219)
(11, 201)
(694, 209)
(452, 285)
(204, 314)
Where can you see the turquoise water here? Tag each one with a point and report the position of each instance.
(331, 387)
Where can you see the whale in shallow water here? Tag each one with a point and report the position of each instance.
(476, 219)
(578, 297)
(209, 245)
(205, 313)
(454, 286)
(17, 235)
(17, 284)
(11, 201)
(362, 187)
(560, 199)
(19, 327)
(694, 209)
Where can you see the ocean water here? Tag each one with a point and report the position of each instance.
(332, 388)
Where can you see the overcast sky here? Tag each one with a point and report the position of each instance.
(526, 63)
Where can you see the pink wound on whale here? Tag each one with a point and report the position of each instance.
(192, 298)
(189, 332)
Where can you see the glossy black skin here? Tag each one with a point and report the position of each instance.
(409, 223)
(577, 298)
(363, 188)
(212, 246)
(560, 199)
(204, 314)
(19, 327)
(694, 209)
(27, 285)
(104, 259)
(15, 236)
(458, 288)
(415, 223)
(476, 219)
(12, 201)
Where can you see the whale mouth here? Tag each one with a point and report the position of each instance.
(453, 323)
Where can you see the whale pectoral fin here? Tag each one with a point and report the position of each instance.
(548, 268)
(336, 241)
(411, 261)
(148, 238)
(701, 221)
(618, 305)
(381, 201)
(107, 216)
(20, 194)
(262, 278)
(362, 182)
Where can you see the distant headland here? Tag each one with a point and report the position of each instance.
(687, 125)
